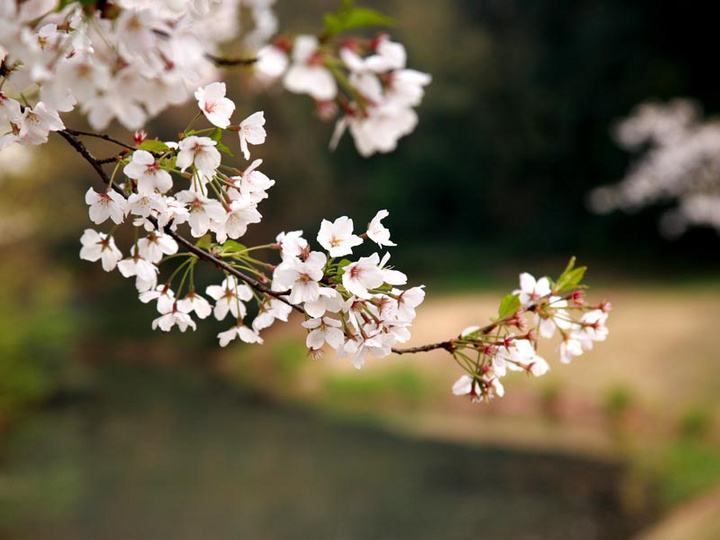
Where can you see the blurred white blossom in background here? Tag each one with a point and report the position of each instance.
(679, 161)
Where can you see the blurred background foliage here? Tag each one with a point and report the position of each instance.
(513, 134)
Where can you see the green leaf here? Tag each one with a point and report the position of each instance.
(571, 278)
(205, 242)
(154, 146)
(508, 306)
(350, 17)
(224, 149)
(168, 163)
(231, 247)
(217, 135)
(341, 267)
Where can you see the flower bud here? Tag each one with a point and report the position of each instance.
(139, 137)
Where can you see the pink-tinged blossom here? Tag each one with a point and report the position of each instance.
(201, 152)
(100, 247)
(360, 277)
(146, 171)
(358, 349)
(531, 290)
(477, 389)
(214, 105)
(518, 355)
(145, 204)
(252, 185)
(569, 348)
(292, 244)
(105, 205)
(390, 276)
(408, 301)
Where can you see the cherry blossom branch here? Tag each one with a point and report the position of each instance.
(369, 321)
(70, 136)
(450, 344)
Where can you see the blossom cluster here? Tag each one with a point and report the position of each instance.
(129, 60)
(364, 82)
(356, 307)
(126, 60)
(680, 162)
(539, 309)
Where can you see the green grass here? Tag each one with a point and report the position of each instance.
(682, 469)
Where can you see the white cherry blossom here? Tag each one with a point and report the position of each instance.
(241, 331)
(324, 330)
(163, 295)
(240, 214)
(229, 298)
(156, 245)
(252, 131)
(204, 212)
(39, 122)
(300, 278)
(308, 75)
(531, 289)
(174, 316)
(271, 311)
(144, 271)
(377, 232)
(337, 236)
(194, 302)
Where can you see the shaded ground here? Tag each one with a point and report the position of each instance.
(699, 520)
(189, 459)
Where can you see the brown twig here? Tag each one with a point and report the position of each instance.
(445, 345)
(230, 62)
(108, 138)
